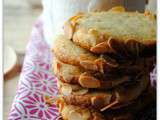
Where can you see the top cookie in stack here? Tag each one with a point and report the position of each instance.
(114, 31)
(103, 62)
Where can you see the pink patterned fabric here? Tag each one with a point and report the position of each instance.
(35, 82)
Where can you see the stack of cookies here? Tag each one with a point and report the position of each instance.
(102, 63)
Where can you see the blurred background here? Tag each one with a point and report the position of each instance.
(19, 17)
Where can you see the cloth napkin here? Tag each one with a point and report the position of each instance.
(36, 81)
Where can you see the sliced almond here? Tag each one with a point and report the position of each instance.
(87, 64)
(118, 106)
(119, 47)
(59, 85)
(150, 15)
(75, 18)
(66, 90)
(68, 30)
(97, 102)
(109, 106)
(65, 111)
(102, 48)
(89, 82)
(100, 63)
(81, 92)
(61, 106)
(93, 32)
(111, 62)
(77, 89)
(86, 114)
(73, 115)
(118, 9)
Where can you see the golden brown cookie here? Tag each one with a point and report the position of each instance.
(70, 112)
(125, 113)
(114, 31)
(66, 51)
(87, 79)
(137, 106)
(68, 89)
(128, 112)
(103, 100)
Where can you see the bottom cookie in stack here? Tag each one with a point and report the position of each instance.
(129, 112)
(79, 103)
(103, 99)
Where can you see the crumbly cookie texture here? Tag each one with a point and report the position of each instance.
(77, 75)
(70, 112)
(103, 100)
(66, 51)
(126, 112)
(98, 31)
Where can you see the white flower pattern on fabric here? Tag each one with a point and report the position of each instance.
(36, 81)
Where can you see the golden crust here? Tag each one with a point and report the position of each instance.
(71, 89)
(66, 51)
(103, 100)
(77, 75)
(94, 100)
(70, 112)
(66, 72)
(128, 112)
(94, 30)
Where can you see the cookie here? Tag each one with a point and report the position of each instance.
(66, 51)
(68, 89)
(87, 79)
(135, 108)
(104, 100)
(113, 31)
(70, 112)
(129, 112)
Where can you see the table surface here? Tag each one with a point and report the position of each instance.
(18, 21)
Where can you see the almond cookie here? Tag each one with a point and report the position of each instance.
(114, 31)
(68, 89)
(77, 75)
(104, 100)
(126, 113)
(136, 107)
(70, 112)
(66, 51)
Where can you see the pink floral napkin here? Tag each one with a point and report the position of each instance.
(37, 80)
